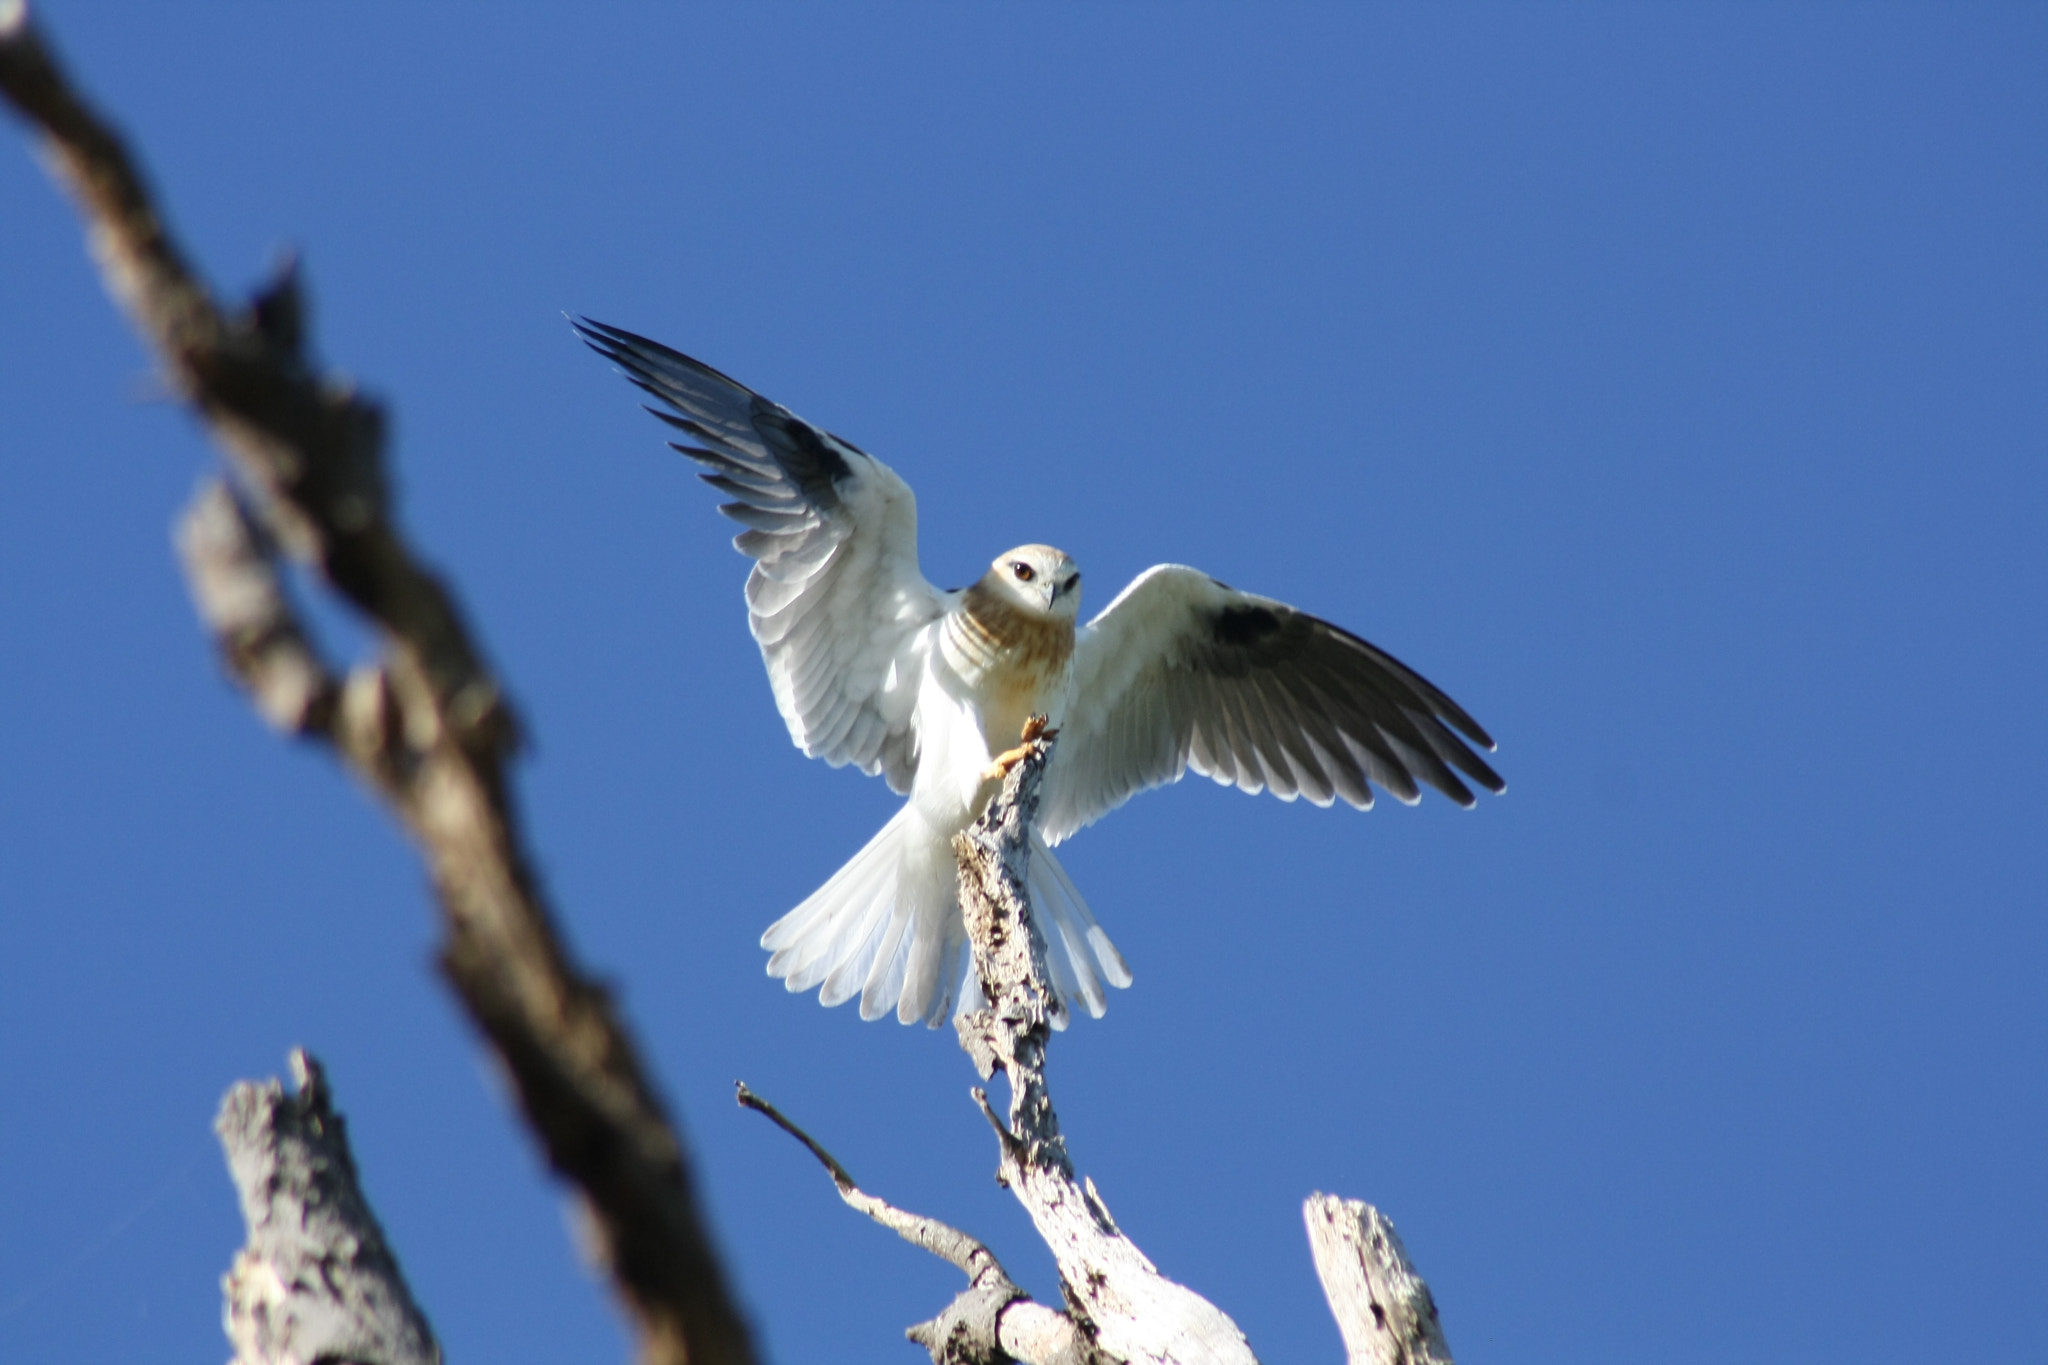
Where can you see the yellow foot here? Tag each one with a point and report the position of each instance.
(1035, 729)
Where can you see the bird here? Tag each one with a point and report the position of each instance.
(873, 666)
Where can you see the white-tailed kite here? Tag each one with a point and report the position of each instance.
(873, 666)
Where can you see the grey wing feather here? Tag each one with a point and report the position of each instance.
(835, 599)
(1181, 671)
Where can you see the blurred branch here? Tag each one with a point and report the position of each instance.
(426, 726)
(316, 1280)
(1384, 1310)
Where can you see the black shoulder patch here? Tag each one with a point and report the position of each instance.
(814, 466)
(1240, 626)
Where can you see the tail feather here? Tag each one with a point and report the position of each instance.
(1080, 917)
(1079, 955)
(885, 979)
(816, 961)
(838, 917)
(945, 977)
(792, 931)
(926, 990)
(887, 927)
(853, 957)
(843, 957)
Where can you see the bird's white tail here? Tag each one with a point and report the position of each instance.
(887, 926)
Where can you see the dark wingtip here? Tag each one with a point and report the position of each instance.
(1446, 709)
(594, 334)
(1482, 773)
(1461, 757)
(607, 339)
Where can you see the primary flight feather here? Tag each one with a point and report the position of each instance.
(872, 665)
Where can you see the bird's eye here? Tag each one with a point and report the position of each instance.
(1022, 570)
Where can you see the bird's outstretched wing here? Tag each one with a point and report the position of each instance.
(835, 599)
(1182, 672)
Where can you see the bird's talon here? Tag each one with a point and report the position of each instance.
(999, 767)
(1035, 729)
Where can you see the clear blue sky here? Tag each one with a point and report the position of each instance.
(1668, 383)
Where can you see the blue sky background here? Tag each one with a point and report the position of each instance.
(1668, 383)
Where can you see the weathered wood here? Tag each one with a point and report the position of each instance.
(316, 1281)
(1384, 1310)
(991, 1320)
(231, 568)
(1133, 1313)
(426, 725)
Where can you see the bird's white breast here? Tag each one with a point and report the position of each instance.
(994, 667)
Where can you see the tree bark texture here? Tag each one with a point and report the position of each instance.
(426, 725)
(1384, 1310)
(1132, 1312)
(991, 1320)
(1119, 1307)
(316, 1282)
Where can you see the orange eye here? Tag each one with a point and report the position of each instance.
(1022, 570)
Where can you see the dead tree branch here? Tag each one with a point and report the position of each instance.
(316, 1280)
(990, 1320)
(1383, 1308)
(426, 726)
(1134, 1313)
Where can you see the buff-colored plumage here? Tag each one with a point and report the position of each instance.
(871, 665)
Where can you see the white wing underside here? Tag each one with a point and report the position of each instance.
(835, 599)
(840, 609)
(1178, 672)
(1183, 672)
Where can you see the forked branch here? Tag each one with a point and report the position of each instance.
(425, 725)
(1132, 1312)
(990, 1320)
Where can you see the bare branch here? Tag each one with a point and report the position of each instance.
(1134, 1313)
(232, 568)
(317, 1280)
(991, 1313)
(427, 727)
(1383, 1308)
(947, 1243)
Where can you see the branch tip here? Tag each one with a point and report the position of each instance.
(316, 1279)
(749, 1100)
(1383, 1308)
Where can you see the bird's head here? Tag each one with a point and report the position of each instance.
(1037, 579)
